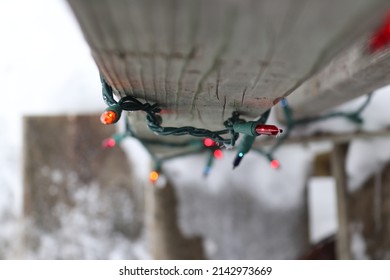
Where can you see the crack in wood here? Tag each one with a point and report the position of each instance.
(217, 86)
(262, 68)
(243, 96)
(194, 29)
(223, 108)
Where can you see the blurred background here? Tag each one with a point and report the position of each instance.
(63, 196)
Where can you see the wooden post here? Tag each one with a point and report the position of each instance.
(338, 169)
(66, 171)
(202, 60)
(370, 216)
(166, 239)
(322, 165)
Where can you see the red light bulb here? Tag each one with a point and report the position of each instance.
(109, 143)
(275, 164)
(218, 154)
(266, 129)
(209, 142)
(381, 38)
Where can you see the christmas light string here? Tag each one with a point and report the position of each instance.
(233, 125)
(292, 123)
(198, 145)
(212, 140)
(207, 144)
(154, 121)
(247, 142)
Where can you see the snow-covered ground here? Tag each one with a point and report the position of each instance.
(43, 45)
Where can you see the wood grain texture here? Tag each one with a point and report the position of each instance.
(325, 137)
(354, 73)
(201, 60)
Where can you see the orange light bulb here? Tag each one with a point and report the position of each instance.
(109, 117)
(153, 177)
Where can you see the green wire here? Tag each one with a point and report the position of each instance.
(354, 117)
(154, 121)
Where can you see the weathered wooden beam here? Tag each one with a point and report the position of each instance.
(354, 73)
(326, 137)
(203, 59)
(338, 169)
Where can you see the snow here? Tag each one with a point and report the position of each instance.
(85, 233)
(322, 208)
(141, 163)
(232, 210)
(236, 210)
(365, 156)
(358, 245)
(264, 183)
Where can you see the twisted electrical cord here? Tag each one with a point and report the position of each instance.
(154, 120)
(291, 123)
